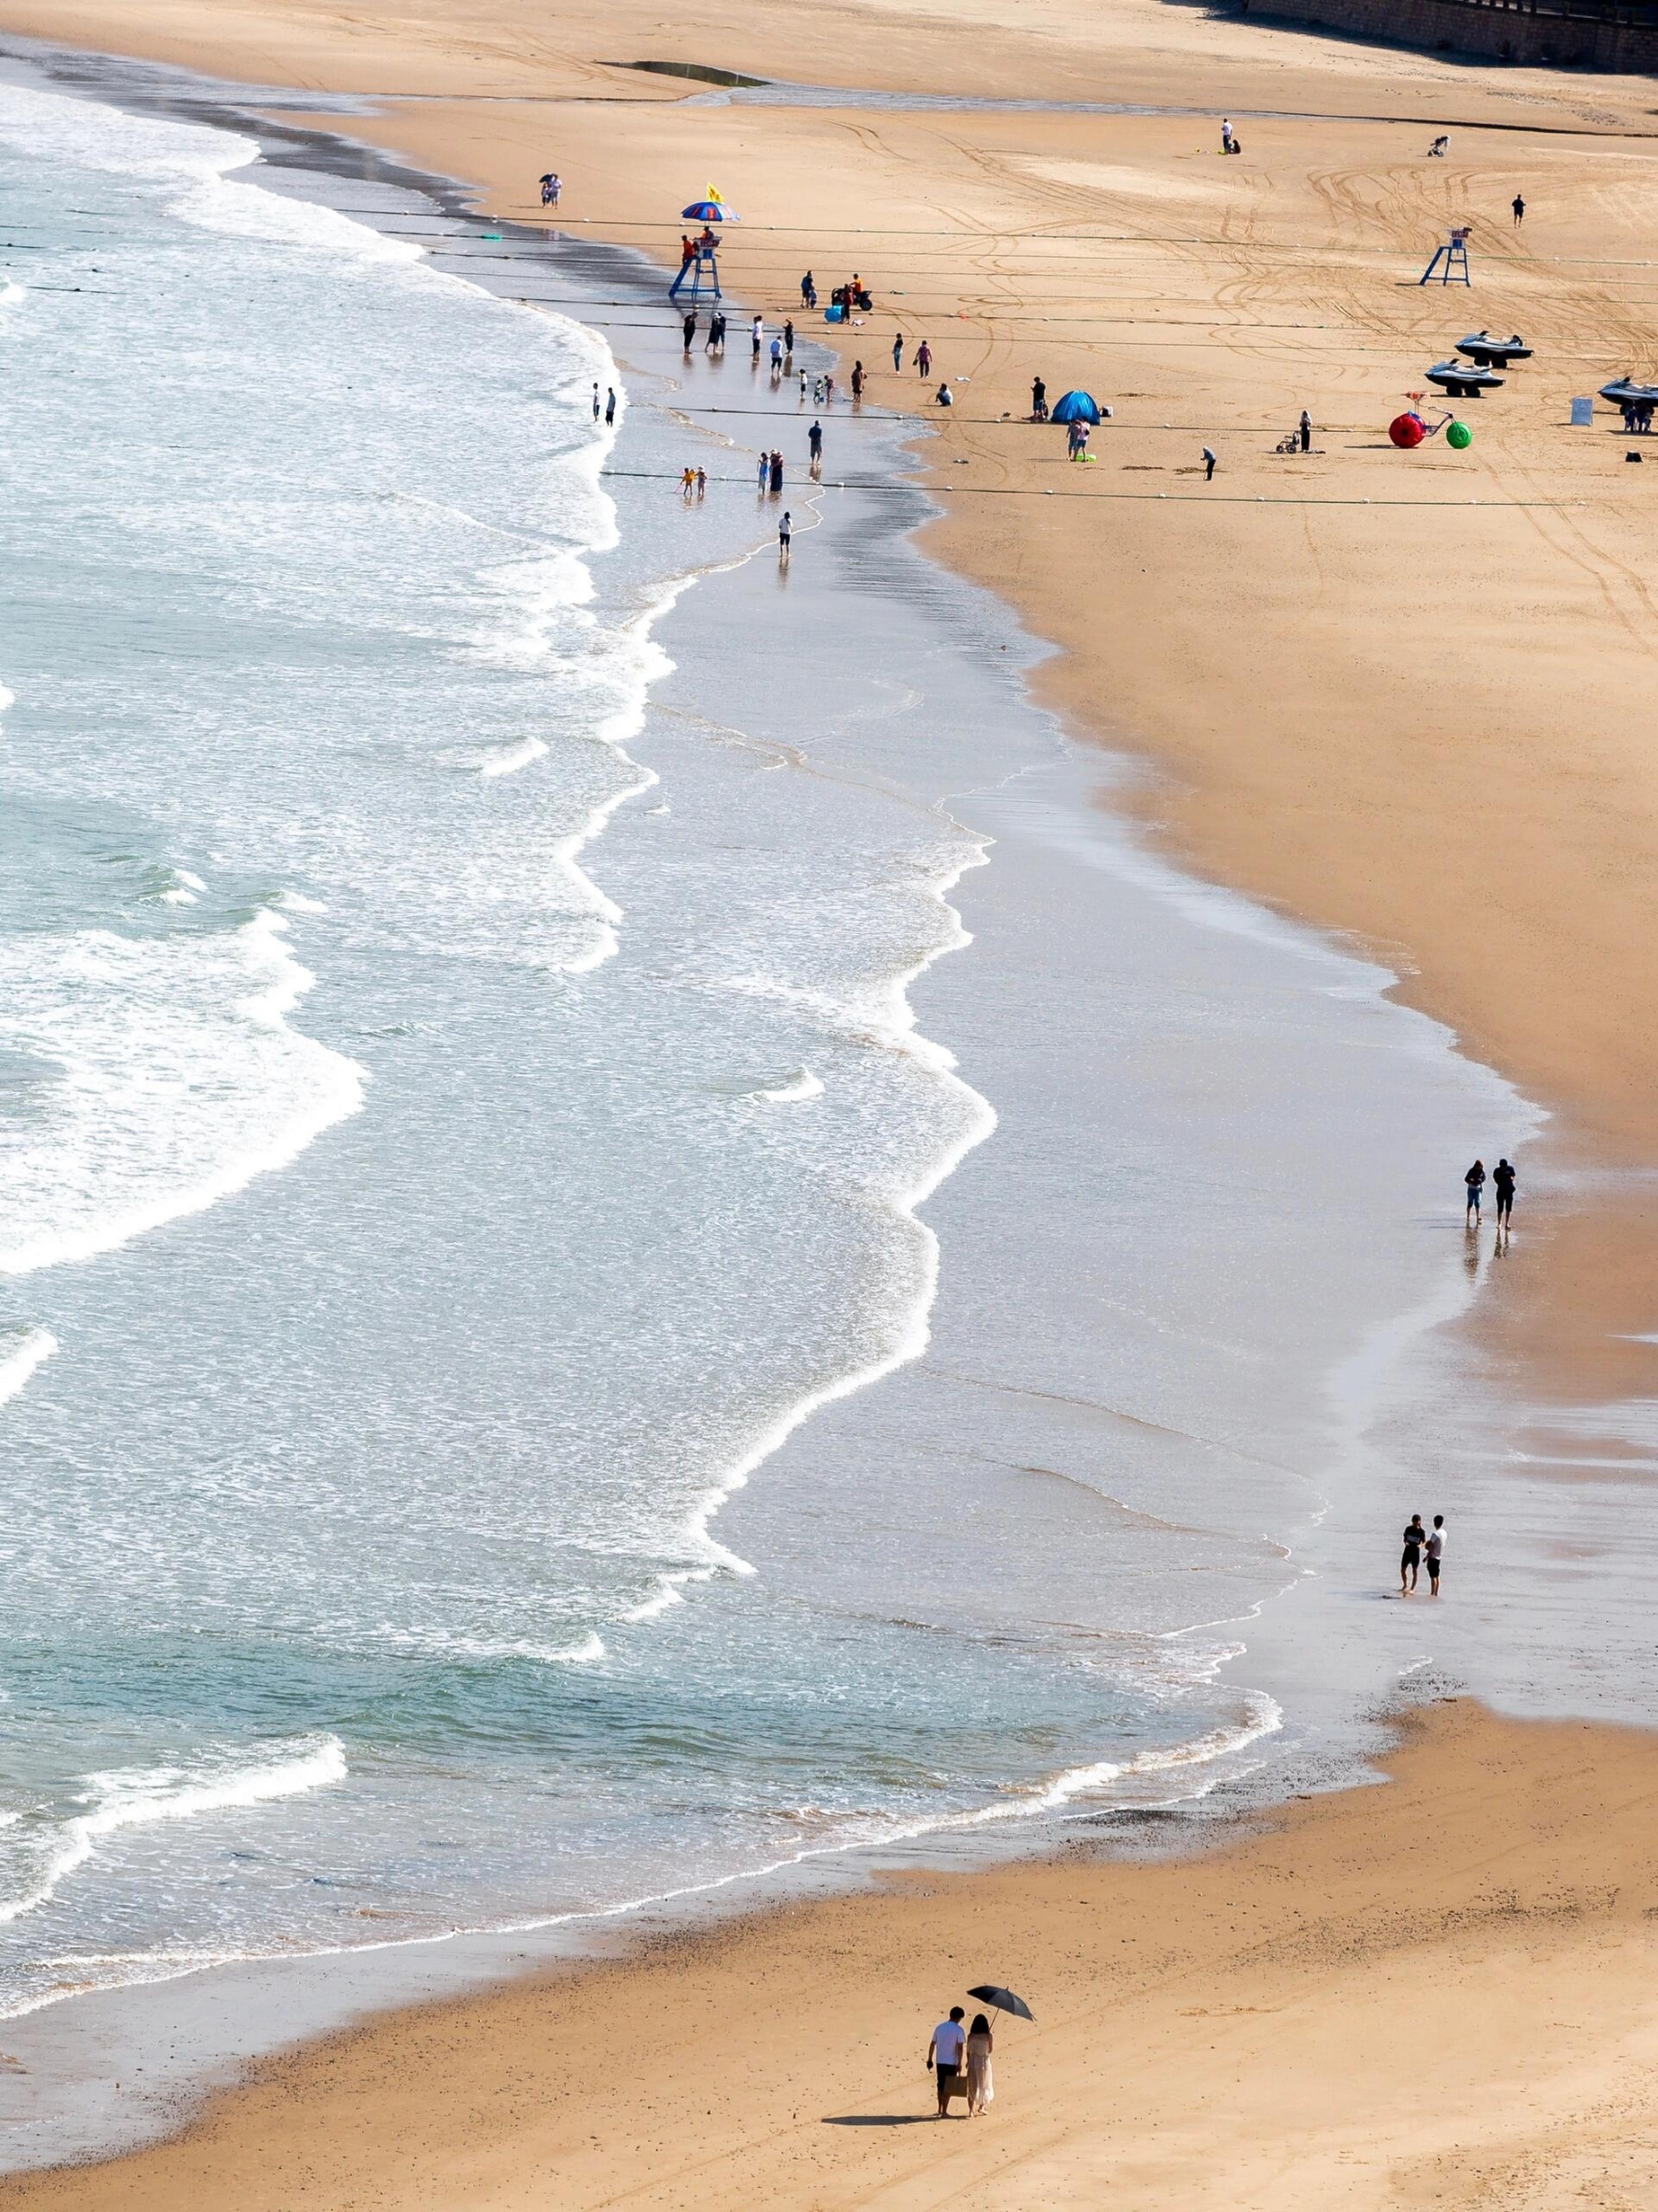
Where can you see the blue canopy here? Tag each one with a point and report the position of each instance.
(1076, 407)
(708, 210)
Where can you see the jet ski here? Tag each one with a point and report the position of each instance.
(1626, 392)
(1458, 382)
(1489, 353)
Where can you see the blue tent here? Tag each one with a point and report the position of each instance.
(1075, 407)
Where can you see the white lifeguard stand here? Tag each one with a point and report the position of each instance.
(1450, 261)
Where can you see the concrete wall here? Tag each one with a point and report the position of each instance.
(1473, 27)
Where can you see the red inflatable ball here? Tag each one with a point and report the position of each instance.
(1407, 430)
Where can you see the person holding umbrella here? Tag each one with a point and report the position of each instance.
(981, 2042)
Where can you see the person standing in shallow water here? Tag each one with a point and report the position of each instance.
(1436, 1554)
(784, 538)
(1475, 1180)
(1410, 1558)
(1503, 1183)
(609, 405)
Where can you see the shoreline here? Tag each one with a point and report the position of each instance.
(933, 485)
(1262, 2014)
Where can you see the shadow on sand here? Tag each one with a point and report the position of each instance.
(880, 2120)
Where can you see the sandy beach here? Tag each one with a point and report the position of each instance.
(1405, 698)
(1435, 1992)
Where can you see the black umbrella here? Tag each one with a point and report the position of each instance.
(1004, 2000)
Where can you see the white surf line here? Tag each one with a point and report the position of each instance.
(142, 1800)
(32, 1351)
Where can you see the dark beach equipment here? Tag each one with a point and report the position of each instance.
(1003, 2000)
(1075, 407)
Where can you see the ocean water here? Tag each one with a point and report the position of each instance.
(635, 1243)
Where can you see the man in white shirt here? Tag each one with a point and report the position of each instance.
(1436, 1553)
(949, 2041)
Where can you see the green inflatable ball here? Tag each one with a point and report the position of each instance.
(1459, 435)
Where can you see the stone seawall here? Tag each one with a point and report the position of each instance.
(1610, 40)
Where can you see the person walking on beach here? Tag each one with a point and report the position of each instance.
(1208, 465)
(702, 484)
(784, 539)
(776, 474)
(1410, 1558)
(1519, 211)
(551, 188)
(687, 483)
(1306, 431)
(981, 2042)
(597, 403)
(1436, 1554)
(1503, 1183)
(898, 352)
(807, 291)
(789, 337)
(945, 2055)
(923, 360)
(687, 329)
(609, 406)
(756, 333)
(764, 472)
(1475, 1179)
(1038, 400)
(814, 440)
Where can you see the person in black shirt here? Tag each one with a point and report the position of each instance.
(1503, 1183)
(1038, 400)
(1475, 1179)
(1410, 1559)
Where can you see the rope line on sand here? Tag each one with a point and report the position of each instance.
(805, 489)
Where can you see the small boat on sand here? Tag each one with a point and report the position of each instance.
(1624, 392)
(1488, 352)
(1459, 381)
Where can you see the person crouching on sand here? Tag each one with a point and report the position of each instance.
(945, 2054)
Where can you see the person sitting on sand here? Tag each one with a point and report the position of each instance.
(981, 2042)
(945, 2052)
(1410, 1558)
(942, 396)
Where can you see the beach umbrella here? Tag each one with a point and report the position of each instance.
(1003, 2000)
(712, 210)
(1076, 407)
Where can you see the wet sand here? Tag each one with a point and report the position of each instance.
(1435, 1992)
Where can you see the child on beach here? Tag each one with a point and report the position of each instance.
(784, 539)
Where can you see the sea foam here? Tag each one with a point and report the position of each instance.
(170, 1077)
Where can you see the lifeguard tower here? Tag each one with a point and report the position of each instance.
(699, 275)
(1450, 261)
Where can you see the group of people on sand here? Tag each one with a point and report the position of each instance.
(959, 2059)
(1502, 1181)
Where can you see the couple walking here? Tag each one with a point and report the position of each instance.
(1418, 1540)
(1502, 1182)
(961, 2058)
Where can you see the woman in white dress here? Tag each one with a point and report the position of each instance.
(980, 2044)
